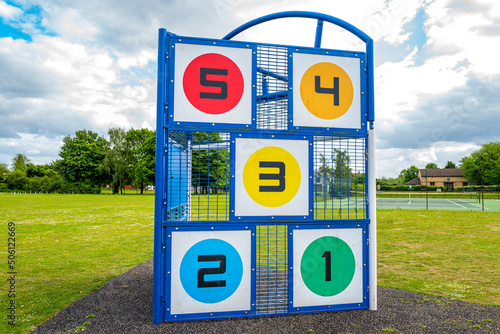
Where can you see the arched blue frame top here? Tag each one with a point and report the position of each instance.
(336, 21)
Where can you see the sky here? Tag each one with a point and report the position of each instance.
(72, 65)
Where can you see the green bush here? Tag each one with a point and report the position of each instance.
(403, 187)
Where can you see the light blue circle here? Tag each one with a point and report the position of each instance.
(196, 269)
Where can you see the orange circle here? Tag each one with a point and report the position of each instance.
(326, 90)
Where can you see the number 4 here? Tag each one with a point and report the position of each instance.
(322, 90)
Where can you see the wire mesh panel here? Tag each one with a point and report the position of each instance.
(272, 87)
(272, 269)
(340, 178)
(178, 171)
(198, 180)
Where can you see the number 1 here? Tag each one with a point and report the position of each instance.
(328, 265)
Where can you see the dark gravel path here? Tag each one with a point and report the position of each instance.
(123, 305)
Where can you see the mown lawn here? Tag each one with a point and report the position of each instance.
(452, 254)
(70, 245)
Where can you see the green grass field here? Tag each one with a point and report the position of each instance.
(70, 245)
(67, 246)
(452, 254)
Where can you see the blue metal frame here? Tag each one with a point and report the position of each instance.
(162, 244)
(158, 287)
(275, 218)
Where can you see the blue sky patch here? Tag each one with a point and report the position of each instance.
(9, 31)
(25, 25)
(387, 52)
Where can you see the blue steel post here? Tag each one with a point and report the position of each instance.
(319, 34)
(159, 182)
(370, 82)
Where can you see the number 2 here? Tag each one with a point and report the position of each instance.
(211, 271)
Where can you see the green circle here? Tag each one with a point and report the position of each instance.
(327, 253)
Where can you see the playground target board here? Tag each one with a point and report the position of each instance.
(262, 198)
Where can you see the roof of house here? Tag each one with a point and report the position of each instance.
(445, 172)
(413, 182)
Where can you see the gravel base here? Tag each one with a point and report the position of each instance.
(124, 305)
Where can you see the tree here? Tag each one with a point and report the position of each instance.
(410, 173)
(16, 180)
(116, 162)
(142, 145)
(19, 162)
(431, 165)
(343, 178)
(81, 156)
(325, 174)
(39, 170)
(450, 164)
(487, 160)
(4, 171)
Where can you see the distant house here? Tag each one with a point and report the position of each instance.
(450, 178)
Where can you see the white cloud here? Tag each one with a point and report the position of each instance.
(387, 23)
(92, 64)
(8, 11)
(391, 161)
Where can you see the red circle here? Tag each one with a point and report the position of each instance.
(217, 88)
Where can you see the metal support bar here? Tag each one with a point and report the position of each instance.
(372, 214)
(265, 85)
(160, 105)
(319, 34)
(272, 74)
(272, 97)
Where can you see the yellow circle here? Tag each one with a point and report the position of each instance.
(271, 176)
(326, 90)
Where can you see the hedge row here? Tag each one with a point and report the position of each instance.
(403, 187)
(46, 184)
(475, 188)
